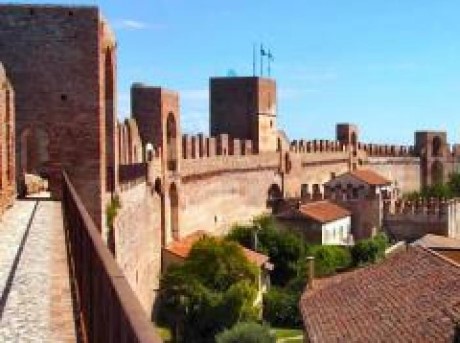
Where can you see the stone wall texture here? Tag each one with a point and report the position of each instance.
(56, 60)
(7, 142)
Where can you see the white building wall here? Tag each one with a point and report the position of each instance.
(336, 232)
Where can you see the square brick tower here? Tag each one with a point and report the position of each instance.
(245, 108)
(61, 63)
(433, 150)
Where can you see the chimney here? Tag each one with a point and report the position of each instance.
(311, 271)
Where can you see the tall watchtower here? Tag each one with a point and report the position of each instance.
(433, 150)
(156, 111)
(245, 108)
(347, 134)
(61, 63)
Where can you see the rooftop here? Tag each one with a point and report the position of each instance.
(182, 248)
(370, 177)
(320, 211)
(411, 296)
(436, 242)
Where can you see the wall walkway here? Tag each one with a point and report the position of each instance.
(36, 301)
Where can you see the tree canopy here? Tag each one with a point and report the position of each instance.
(284, 248)
(211, 291)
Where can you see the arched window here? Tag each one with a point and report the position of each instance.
(174, 211)
(436, 146)
(437, 172)
(287, 161)
(274, 195)
(109, 117)
(171, 142)
(34, 150)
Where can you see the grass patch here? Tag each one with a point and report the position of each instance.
(288, 335)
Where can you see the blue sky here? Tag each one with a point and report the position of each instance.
(390, 66)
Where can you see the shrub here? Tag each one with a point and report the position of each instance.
(112, 209)
(281, 307)
(328, 259)
(369, 250)
(246, 333)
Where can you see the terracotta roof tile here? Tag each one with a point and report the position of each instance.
(324, 211)
(183, 246)
(411, 296)
(320, 211)
(370, 177)
(438, 242)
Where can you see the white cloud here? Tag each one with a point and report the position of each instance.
(131, 24)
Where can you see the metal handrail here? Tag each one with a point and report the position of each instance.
(108, 308)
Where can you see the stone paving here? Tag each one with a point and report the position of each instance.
(38, 306)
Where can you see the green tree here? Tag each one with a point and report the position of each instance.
(214, 289)
(328, 259)
(454, 184)
(284, 248)
(246, 333)
(369, 250)
(281, 307)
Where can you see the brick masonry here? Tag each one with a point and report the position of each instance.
(56, 58)
(66, 119)
(7, 139)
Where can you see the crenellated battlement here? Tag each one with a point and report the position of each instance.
(316, 146)
(322, 146)
(201, 146)
(420, 207)
(385, 150)
(410, 220)
(130, 149)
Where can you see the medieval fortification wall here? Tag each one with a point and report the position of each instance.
(170, 184)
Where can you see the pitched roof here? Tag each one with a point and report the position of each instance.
(411, 296)
(321, 211)
(370, 177)
(438, 242)
(182, 248)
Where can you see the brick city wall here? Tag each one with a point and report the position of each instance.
(7, 142)
(404, 171)
(406, 220)
(137, 230)
(226, 193)
(130, 148)
(55, 57)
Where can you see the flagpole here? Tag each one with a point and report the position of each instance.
(254, 59)
(261, 60)
(269, 57)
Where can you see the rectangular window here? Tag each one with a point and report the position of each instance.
(355, 193)
(304, 190)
